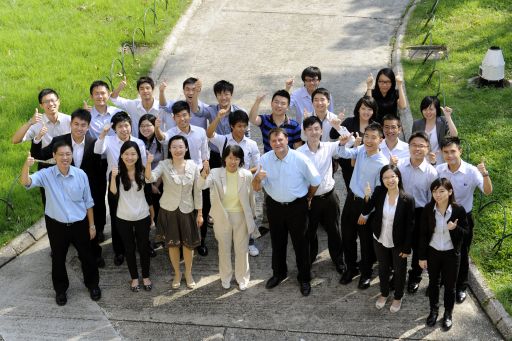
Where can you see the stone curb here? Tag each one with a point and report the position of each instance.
(492, 307)
(172, 40)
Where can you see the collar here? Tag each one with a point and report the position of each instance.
(74, 143)
(448, 212)
(422, 167)
(56, 172)
(46, 120)
(140, 107)
(119, 141)
(286, 159)
(231, 138)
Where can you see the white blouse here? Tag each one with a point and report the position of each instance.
(132, 204)
(388, 217)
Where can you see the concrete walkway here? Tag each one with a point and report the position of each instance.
(256, 45)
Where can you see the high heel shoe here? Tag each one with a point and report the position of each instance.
(190, 281)
(148, 287)
(134, 288)
(176, 282)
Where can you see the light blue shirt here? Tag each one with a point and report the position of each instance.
(367, 168)
(67, 196)
(290, 178)
(300, 99)
(98, 121)
(196, 119)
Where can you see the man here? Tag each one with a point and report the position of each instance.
(199, 153)
(325, 204)
(69, 216)
(291, 180)
(85, 159)
(101, 113)
(369, 162)
(239, 121)
(191, 90)
(320, 98)
(301, 99)
(44, 127)
(277, 119)
(465, 178)
(417, 176)
(110, 147)
(392, 147)
(146, 104)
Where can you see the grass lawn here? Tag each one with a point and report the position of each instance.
(483, 116)
(64, 45)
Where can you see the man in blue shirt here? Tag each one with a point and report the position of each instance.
(369, 162)
(69, 217)
(290, 179)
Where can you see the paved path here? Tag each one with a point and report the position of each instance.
(255, 44)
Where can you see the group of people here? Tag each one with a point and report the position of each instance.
(187, 164)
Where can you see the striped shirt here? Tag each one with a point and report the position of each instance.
(291, 127)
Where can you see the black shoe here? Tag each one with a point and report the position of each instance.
(61, 299)
(432, 318)
(347, 276)
(100, 236)
(392, 283)
(202, 250)
(412, 287)
(274, 281)
(118, 259)
(95, 294)
(152, 252)
(364, 283)
(461, 296)
(341, 268)
(447, 321)
(305, 288)
(263, 230)
(100, 262)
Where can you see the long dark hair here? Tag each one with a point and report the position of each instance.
(443, 182)
(149, 141)
(139, 169)
(182, 138)
(395, 170)
(388, 72)
(369, 102)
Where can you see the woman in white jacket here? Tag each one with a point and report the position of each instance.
(233, 211)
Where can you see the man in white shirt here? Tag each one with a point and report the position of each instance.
(325, 204)
(465, 178)
(321, 101)
(392, 147)
(199, 153)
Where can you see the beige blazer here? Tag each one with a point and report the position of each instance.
(217, 183)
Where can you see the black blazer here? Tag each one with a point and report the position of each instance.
(91, 162)
(403, 223)
(428, 225)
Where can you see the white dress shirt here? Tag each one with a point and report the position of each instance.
(417, 180)
(111, 147)
(300, 99)
(464, 181)
(322, 159)
(78, 152)
(250, 148)
(197, 142)
(326, 127)
(388, 217)
(401, 150)
(441, 239)
(99, 120)
(60, 127)
(198, 119)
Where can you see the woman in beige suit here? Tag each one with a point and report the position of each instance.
(233, 211)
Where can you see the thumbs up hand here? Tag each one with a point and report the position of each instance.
(30, 160)
(367, 190)
(452, 224)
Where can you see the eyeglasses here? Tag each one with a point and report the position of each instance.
(414, 145)
(311, 80)
(384, 82)
(390, 177)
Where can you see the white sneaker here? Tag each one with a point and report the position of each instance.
(381, 302)
(226, 285)
(253, 250)
(242, 286)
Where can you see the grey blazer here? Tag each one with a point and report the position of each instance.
(442, 128)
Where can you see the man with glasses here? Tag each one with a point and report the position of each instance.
(392, 147)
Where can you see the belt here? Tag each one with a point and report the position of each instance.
(323, 196)
(288, 202)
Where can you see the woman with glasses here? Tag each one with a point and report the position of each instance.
(388, 92)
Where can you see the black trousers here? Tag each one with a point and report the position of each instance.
(117, 242)
(135, 235)
(98, 191)
(346, 170)
(445, 265)
(462, 279)
(289, 218)
(325, 210)
(416, 270)
(206, 211)
(390, 258)
(60, 236)
(350, 231)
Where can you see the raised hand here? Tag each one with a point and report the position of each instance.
(289, 83)
(341, 115)
(452, 224)
(36, 118)
(199, 86)
(369, 81)
(86, 106)
(358, 140)
(30, 160)
(42, 132)
(162, 86)
(306, 114)
(149, 158)
(482, 169)
(260, 173)
(447, 111)
(394, 160)
(259, 98)
(115, 172)
(344, 139)
(222, 113)
(399, 80)
(432, 157)
(122, 84)
(335, 123)
(367, 190)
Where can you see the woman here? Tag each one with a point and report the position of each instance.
(233, 211)
(147, 135)
(436, 126)
(180, 206)
(133, 216)
(392, 226)
(389, 99)
(365, 112)
(443, 224)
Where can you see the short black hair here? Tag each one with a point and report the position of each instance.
(392, 117)
(179, 106)
(427, 101)
(282, 93)
(236, 150)
(189, 81)
(59, 144)
(181, 138)
(308, 122)
(46, 92)
(375, 126)
(322, 91)
(419, 134)
(145, 79)
(311, 71)
(238, 116)
(120, 117)
(81, 114)
(223, 86)
(97, 84)
(449, 140)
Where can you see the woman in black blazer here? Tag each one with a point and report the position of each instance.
(442, 227)
(392, 225)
